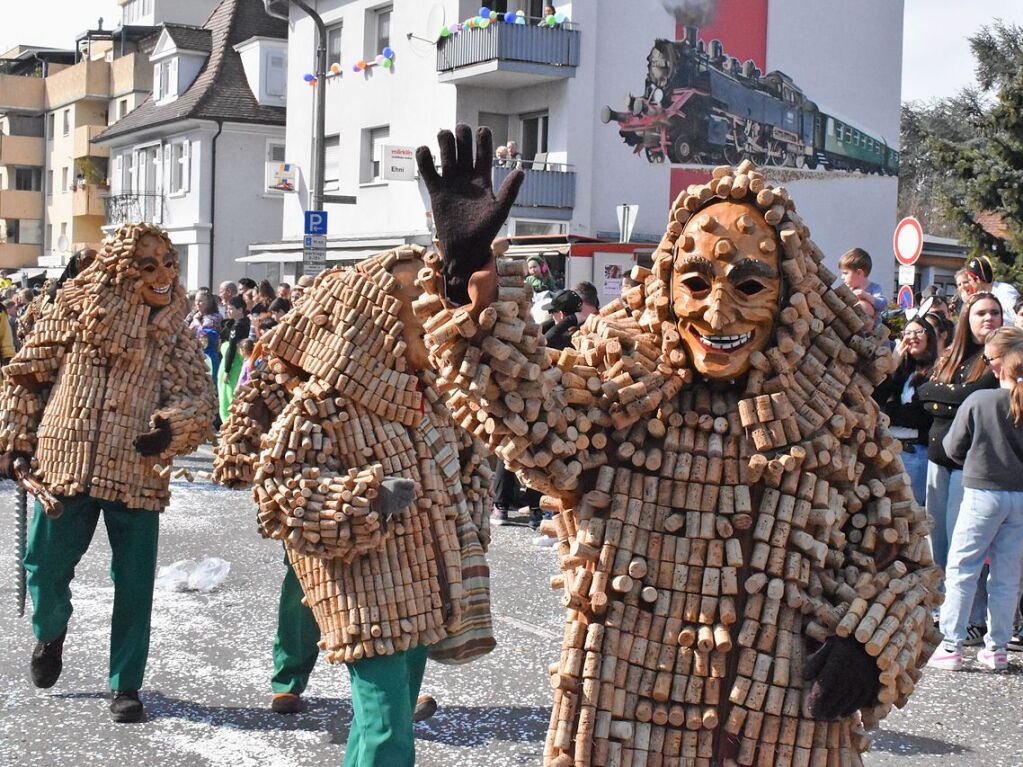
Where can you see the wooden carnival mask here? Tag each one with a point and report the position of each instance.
(158, 269)
(726, 287)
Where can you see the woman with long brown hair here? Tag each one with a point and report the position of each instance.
(961, 370)
(986, 438)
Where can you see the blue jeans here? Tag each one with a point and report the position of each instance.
(990, 526)
(914, 458)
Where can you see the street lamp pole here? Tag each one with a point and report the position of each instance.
(279, 8)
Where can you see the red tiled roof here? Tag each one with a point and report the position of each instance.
(993, 224)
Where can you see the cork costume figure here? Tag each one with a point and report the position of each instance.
(744, 569)
(108, 384)
(344, 401)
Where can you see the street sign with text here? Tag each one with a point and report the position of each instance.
(315, 222)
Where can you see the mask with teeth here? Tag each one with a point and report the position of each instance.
(726, 288)
(158, 267)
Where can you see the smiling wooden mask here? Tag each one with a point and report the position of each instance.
(726, 287)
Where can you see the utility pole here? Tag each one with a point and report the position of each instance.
(279, 9)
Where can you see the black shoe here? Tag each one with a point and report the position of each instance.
(975, 635)
(426, 707)
(535, 517)
(47, 662)
(1015, 643)
(126, 706)
(286, 703)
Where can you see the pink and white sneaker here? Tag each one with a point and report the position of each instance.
(996, 659)
(946, 660)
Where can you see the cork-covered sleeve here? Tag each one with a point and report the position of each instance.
(256, 404)
(187, 400)
(504, 386)
(321, 510)
(28, 378)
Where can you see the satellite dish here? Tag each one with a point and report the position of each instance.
(62, 243)
(424, 41)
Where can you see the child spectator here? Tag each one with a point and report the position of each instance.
(855, 266)
(246, 348)
(987, 441)
(539, 274)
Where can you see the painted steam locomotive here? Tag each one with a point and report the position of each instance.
(702, 106)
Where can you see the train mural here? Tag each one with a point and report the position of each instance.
(702, 106)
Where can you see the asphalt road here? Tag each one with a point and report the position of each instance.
(207, 685)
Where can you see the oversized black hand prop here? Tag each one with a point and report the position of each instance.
(467, 214)
(155, 441)
(843, 678)
(395, 496)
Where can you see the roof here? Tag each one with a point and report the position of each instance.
(220, 91)
(190, 38)
(993, 224)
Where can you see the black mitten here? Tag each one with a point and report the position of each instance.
(156, 440)
(843, 677)
(395, 496)
(467, 214)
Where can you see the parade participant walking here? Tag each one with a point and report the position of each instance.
(389, 575)
(235, 330)
(986, 439)
(915, 354)
(113, 350)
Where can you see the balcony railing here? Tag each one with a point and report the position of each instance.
(522, 54)
(547, 185)
(134, 208)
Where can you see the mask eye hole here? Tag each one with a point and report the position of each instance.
(750, 287)
(696, 284)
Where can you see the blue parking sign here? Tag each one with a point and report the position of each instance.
(316, 222)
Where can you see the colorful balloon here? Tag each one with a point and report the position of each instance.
(388, 53)
(551, 20)
(445, 31)
(388, 63)
(484, 23)
(485, 12)
(335, 69)
(309, 78)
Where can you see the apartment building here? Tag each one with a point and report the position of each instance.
(193, 156)
(548, 88)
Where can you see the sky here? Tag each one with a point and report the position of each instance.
(936, 55)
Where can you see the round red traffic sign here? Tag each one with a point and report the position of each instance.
(905, 297)
(908, 241)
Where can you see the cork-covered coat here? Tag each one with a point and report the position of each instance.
(710, 535)
(96, 368)
(343, 414)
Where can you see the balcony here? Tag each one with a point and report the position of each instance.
(507, 56)
(83, 137)
(16, 256)
(21, 150)
(17, 204)
(88, 201)
(85, 80)
(19, 93)
(134, 208)
(133, 72)
(547, 185)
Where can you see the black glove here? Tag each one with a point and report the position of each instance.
(466, 213)
(156, 440)
(395, 496)
(844, 678)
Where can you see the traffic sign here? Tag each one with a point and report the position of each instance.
(907, 274)
(314, 254)
(315, 222)
(905, 297)
(908, 241)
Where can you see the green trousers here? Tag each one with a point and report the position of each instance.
(296, 643)
(384, 692)
(55, 547)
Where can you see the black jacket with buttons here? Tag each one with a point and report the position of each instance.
(942, 401)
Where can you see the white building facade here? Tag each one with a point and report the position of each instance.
(544, 88)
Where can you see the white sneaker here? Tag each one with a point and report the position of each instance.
(946, 659)
(996, 659)
(545, 541)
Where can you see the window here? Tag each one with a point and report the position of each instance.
(373, 140)
(63, 229)
(334, 45)
(276, 74)
(122, 108)
(383, 29)
(332, 163)
(63, 180)
(51, 120)
(28, 179)
(67, 122)
(30, 231)
(536, 8)
(180, 167)
(49, 183)
(534, 135)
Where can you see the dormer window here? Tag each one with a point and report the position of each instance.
(178, 57)
(265, 61)
(165, 80)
